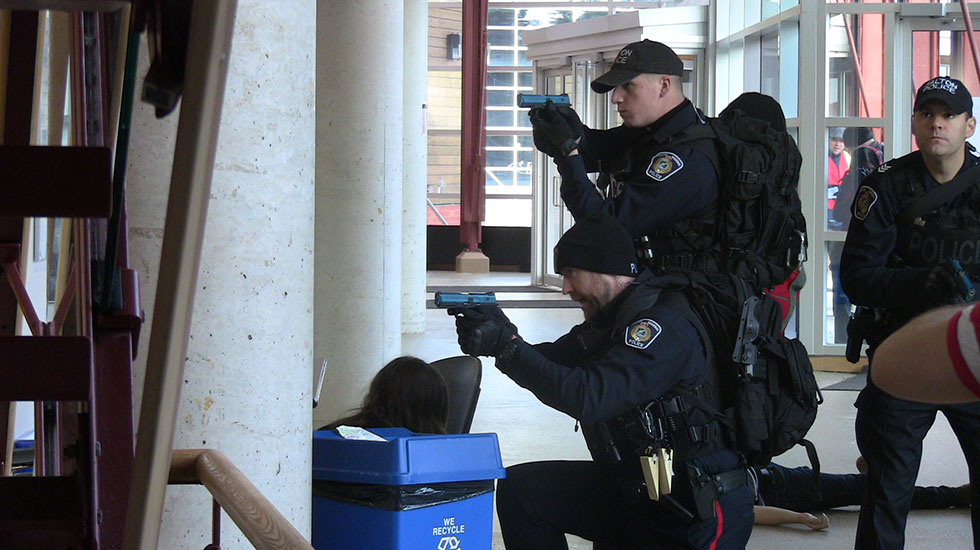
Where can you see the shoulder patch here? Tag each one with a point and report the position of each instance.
(884, 167)
(865, 199)
(642, 333)
(663, 165)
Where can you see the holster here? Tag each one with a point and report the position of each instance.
(601, 443)
(859, 329)
(707, 488)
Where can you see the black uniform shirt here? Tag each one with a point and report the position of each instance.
(658, 350)
(675, 183)
(878, 266)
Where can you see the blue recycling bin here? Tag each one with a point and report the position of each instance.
(411, 491)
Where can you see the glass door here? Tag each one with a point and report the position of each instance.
(940, 48)
(552, 219)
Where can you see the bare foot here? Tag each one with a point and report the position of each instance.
(816, 523)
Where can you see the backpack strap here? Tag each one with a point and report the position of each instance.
(709, 148)
(940, 195)
(811, 453)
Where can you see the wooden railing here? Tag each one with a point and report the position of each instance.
(257, 518)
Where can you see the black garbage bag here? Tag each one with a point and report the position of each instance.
(401, 497)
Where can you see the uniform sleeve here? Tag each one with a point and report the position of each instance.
(602, 146)
(963, 343)
(871, 238)
(624, 377)
(565, 350)
(674, 185)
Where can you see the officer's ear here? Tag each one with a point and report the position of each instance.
(667, 83)
(971, 126)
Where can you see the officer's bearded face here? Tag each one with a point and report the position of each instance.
(591, 290)
(646, 98)
(939, 132)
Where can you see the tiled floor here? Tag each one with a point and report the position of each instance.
(528, 430)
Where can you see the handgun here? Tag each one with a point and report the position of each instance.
(963, 282)
(445, 300)
(537, 100)
(859, 327)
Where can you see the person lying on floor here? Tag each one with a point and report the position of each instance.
(787, 495)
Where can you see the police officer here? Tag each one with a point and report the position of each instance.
(649, 182)
(901, 267)
(618, 374)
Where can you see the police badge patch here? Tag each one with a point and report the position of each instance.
(642, 333)
(865, 199)
(664, 165)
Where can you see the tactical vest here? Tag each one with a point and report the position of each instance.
(685, 244)
(950, 232)
(661, 423)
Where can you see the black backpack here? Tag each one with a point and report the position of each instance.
(759, 231)
(768, 395)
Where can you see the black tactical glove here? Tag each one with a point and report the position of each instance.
(937, 287)
(556, 133)
(482, 330)
(571, 117)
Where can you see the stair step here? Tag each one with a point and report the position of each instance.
(55, 182)
(63, 5)
(45, 368)
(40, 510)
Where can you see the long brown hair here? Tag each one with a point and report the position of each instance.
(408, 393)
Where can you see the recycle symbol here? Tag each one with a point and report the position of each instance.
(449, 543)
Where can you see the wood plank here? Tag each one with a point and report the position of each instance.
(211, 30)
(65, 182)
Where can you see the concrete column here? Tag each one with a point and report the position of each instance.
(415, 165)
(248, 377)
(359, 105)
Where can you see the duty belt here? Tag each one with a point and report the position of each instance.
(725, 481)
(660, 421)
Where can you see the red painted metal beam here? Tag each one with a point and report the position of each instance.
(115, 428)
(473, 196)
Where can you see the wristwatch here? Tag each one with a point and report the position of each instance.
(506, 353)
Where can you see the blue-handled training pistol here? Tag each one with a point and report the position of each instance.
(447, 300)
(537, 100)
(967, 291)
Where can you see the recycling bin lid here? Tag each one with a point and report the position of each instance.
(406, 458)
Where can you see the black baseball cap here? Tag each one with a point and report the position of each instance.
(637, 58)
(950, 91)
(597, 243)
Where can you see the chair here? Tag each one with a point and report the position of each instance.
(463, 374)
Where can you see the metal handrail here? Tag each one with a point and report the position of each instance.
(261, 523)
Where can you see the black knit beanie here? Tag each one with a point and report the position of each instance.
(597, 243)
